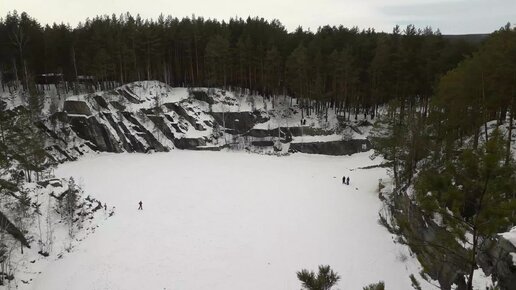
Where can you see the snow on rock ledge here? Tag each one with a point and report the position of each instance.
(152, 116)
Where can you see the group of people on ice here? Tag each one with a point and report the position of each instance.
(345, 180)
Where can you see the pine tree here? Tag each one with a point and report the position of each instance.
(273, 71)
(4, 125)
(26, 144)
(69, 205)
(325, 279)
(216, 59)
(297, 72)
(474, 195)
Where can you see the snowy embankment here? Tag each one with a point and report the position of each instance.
(41, 211)
(220, 220)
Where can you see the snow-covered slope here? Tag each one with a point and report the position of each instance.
(217, 220)
(41, 212)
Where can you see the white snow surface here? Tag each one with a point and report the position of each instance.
(324, 138)
(510, 236)
(225, 220)
(513, 255)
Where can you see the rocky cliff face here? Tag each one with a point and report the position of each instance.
(151, 116)
(497, 257)
(343, 147)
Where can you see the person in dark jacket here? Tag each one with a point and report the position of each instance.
(347, 181)
(343, 179)
(141, 205)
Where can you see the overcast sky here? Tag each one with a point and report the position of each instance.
(451, 16)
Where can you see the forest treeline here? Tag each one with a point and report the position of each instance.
(345, 66)
(452, 163)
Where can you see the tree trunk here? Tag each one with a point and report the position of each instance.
(509, 137)
(473, 263)
(121, 69)
(134, 59)
(192, 71)
(74, 64)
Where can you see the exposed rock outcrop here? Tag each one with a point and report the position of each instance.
(77, 107)
(203, 96)
(332, 147)
(10, 228)
(150, 116)
(240, 122)
(89, 129)
(442, 264)
(496, 258)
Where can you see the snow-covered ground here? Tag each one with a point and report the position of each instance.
(223, 220)
(511, 237)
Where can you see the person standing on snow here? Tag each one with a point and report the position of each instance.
(347, 181)
(141, 205)
(343, 179)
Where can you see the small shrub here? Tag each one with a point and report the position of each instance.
(415, 283)
(376, 286)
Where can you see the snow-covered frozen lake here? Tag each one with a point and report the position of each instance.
(220, 220)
